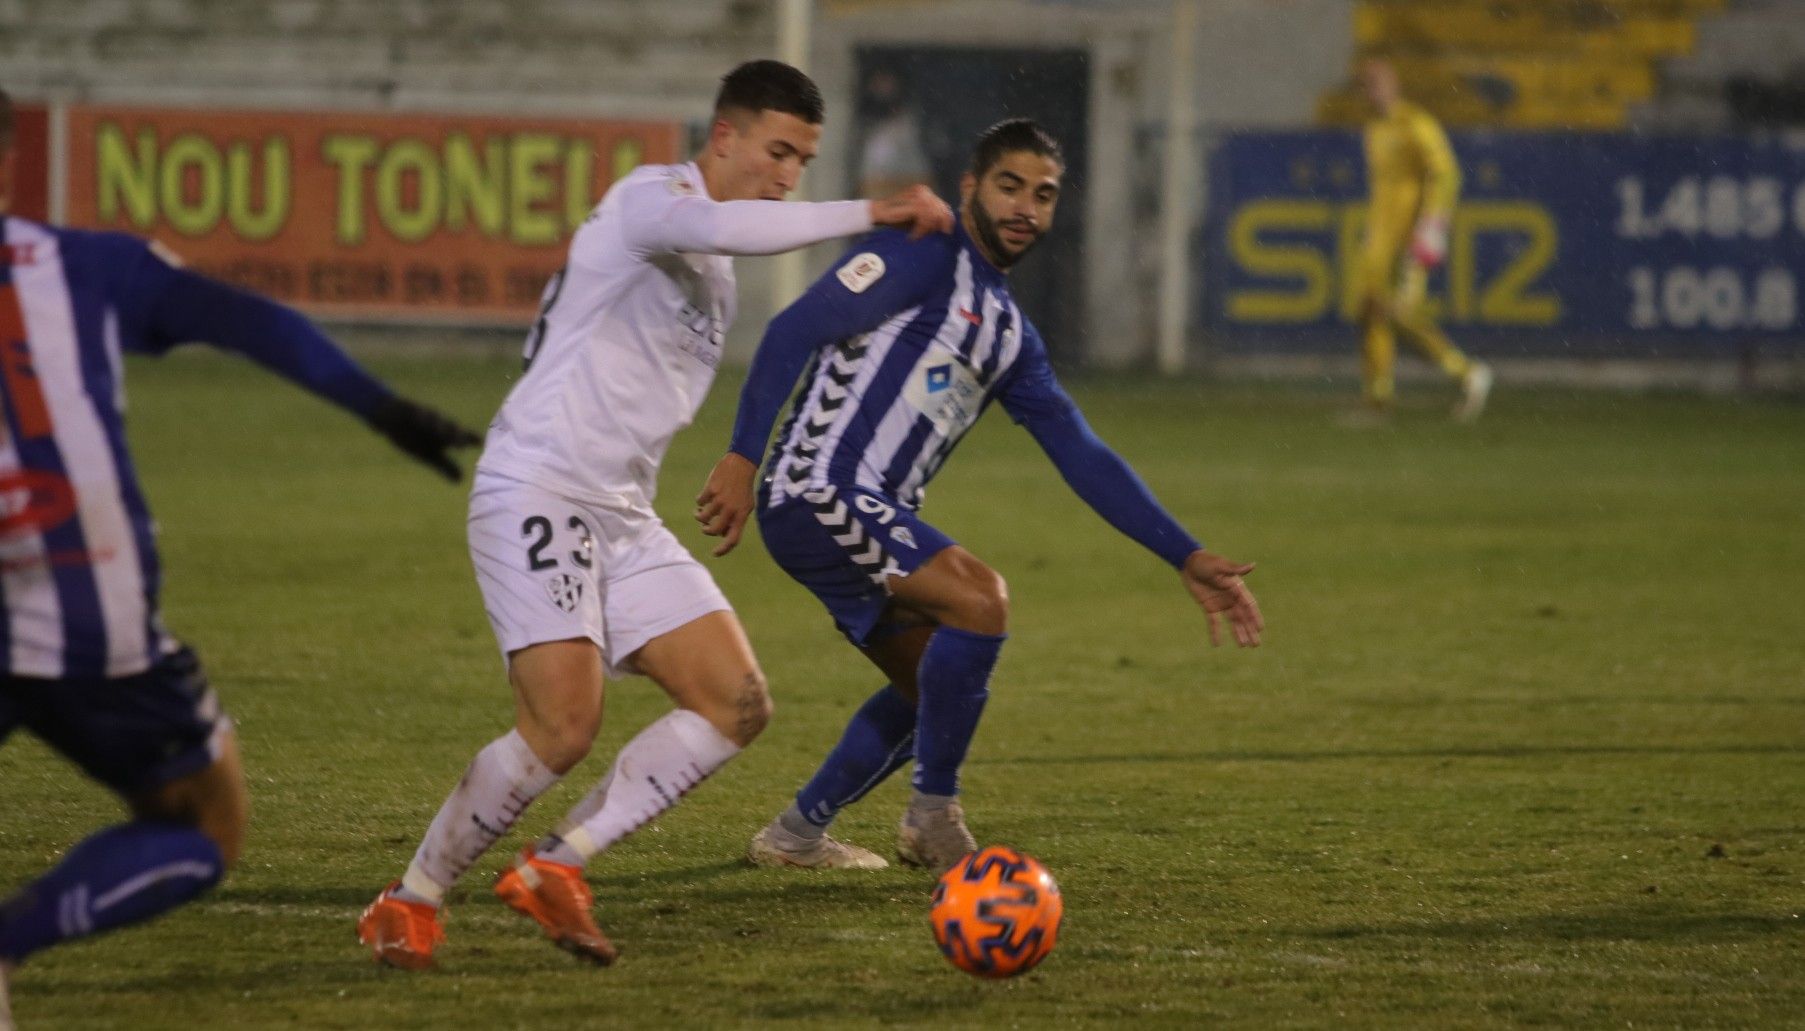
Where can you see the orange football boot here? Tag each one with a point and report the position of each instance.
(557, 897)
(400, 933)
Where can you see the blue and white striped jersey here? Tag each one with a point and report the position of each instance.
(884, 408)
(906, 343)
(78, 563)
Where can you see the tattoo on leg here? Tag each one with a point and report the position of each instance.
(750, 718)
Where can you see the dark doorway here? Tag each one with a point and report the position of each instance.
(921, 108)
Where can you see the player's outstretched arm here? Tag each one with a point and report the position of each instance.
(1110, 486)
(656, 221)
(188, 307)
(426, 434)
(917, 211)
(1216, 583)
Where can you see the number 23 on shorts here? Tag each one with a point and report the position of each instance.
(537, 530)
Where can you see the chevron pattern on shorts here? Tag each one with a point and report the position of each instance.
(862, 549)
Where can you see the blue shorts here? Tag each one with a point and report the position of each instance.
(130, 733)
(843, 544)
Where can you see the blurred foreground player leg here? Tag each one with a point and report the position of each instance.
(580, 578)
(85, 662)
(910, 341)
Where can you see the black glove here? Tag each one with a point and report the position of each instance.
(422, 433)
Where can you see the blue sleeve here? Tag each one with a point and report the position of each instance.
(882, 275)
(162, 306)
(1033, 397)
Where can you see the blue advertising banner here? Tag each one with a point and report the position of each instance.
(1601, 244)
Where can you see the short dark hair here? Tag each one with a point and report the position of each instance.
(6, 122)
(770, 86)
(1010, 135)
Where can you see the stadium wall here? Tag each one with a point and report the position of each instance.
(519, 68)
(637, 61)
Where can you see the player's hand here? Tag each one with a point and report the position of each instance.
(1215, 582)
(726, 500)
(1429, 241)
(423, 433)
(917, 209)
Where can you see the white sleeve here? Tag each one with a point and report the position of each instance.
(655, 220)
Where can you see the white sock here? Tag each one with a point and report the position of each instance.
(660, 765)
(501, 782)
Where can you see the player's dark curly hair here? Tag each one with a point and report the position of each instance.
(770, 86)
(1010, 135)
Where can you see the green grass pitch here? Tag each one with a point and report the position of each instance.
(1525, 745)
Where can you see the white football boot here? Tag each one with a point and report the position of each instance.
(934, 838)
(775, 846)
(1475, 387)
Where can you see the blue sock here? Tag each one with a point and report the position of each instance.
(122, 875)
(878, 740)
(954, 683)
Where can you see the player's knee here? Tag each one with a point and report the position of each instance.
(214, 802)
(985, 608)
(737, 705)
(562, 746)
(749, 710)
(223, 810)
(226, 828)
(558, 695)
(560, 738)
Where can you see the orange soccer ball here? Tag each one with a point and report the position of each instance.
(996, 913)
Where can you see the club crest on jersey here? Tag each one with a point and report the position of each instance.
(565, 591)
(861, 271)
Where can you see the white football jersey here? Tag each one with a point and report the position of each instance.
(630, 331)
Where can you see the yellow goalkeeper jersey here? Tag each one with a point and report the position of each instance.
(1411, 171)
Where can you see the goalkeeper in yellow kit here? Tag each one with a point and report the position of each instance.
(1414, 179)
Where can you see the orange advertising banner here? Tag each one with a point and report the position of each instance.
(31, 172)
(460, 218)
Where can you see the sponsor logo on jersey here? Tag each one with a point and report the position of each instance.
(861, 271)
(939, 378)
(565, 591)
(971, 316)
(704, 335)
(949, 394)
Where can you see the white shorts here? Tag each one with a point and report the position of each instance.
(553, 569)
